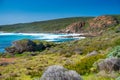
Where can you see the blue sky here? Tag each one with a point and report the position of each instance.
(21, 11)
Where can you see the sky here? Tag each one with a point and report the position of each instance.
(22, 11)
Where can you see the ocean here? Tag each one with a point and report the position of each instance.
(6, 39)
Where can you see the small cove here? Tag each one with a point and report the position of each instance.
(6, 39)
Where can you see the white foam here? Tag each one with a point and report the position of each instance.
(7, 33)
(32, 34)
(51, 40)
(48, 36)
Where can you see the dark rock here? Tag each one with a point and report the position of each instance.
(27, 45)
(11, 50)
(78, 51)
(117, 30)
(60, 73)
(40, 46)
(33, 54)
(5, 63)
(24, 45)
(109, 64)
(21, 46)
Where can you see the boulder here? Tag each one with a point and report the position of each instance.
(92, 53)
(109, 64)
(24, 45)
(21, 46)
(78, 51)
(56, 72)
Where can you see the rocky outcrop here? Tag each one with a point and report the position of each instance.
(102, 21)
(26, 45)
(75, 27)
(109, 64)
(91, 26)
(21, 46)
(60, 73)
(11, 50)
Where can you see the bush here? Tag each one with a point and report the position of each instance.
(115, 52)
(117, 41)
(84, 65)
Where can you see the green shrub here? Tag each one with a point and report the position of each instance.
(115, 52)
(96, 77)
(117, 41)
(118, 78)
(84, 65)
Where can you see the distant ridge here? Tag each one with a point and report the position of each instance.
(42, 26)
(49, 25)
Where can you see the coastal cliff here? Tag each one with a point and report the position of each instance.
(91, 26)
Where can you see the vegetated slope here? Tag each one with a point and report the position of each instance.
(42, 26)
(92, 26)
(74, 24)
(72, 55)
(117, 17)
(77, 55)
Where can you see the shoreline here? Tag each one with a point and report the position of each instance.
(65, 34)
(73, 34)
(54, 37)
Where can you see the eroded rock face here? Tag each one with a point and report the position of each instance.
(94, 26)
(102, 21)
(75, 27)
(109, 64)
(60, 73)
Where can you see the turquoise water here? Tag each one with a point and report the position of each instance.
(6, 39)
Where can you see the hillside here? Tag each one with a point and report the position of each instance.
(77, 55)
(42, 26)
(66, 25)
(92, 58)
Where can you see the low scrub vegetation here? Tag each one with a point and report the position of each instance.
(115, 52)
(84, 65)
(71, 55)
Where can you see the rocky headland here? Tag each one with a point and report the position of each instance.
(91, 27)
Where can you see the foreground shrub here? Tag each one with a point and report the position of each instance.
(115, 52)
(84, 65)
(97, 77)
